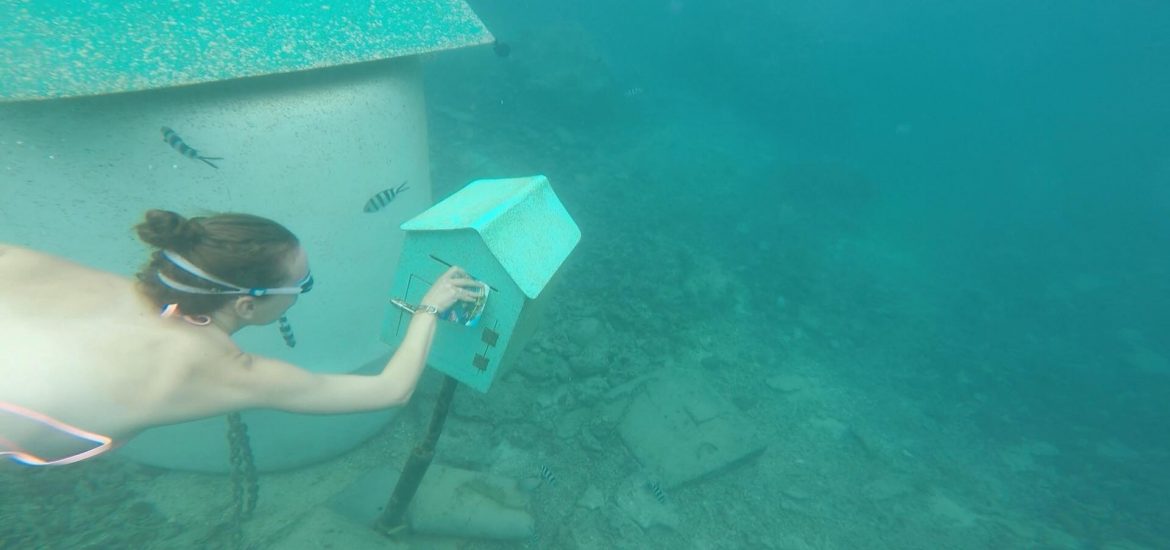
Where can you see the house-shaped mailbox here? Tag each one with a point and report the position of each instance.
(512, 234)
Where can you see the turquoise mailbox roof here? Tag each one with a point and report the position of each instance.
(64, 48)
(521, 221)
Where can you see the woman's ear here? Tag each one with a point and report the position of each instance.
(245, 307)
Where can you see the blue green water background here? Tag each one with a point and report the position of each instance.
(920, 246)
(956, 213)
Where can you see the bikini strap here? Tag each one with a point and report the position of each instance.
(104, 443)
(171, 310)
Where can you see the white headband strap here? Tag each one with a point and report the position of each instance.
(191, 268)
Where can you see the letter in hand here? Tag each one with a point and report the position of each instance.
(453, 286)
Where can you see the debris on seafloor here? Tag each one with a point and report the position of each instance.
(680, 429)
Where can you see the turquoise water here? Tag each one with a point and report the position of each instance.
(918, 250)
(948, 222)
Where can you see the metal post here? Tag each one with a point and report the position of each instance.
(393, 518)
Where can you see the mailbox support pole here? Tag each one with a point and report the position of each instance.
(393, 518)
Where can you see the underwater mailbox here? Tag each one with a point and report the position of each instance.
(510, 234)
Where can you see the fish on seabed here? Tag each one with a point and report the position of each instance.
(383, 198)
(548, 476)
(177, 144)
(655, 489)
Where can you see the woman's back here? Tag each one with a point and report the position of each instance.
(41, 285)
(84, 348)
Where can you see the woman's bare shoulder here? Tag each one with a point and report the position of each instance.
(13, 257)
(39, 284)
(10, 251)
(210, 378)
(17, 262)
(15, 249)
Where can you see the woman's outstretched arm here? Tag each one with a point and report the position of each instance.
(270, 383)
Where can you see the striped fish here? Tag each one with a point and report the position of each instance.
(548, 476)
(177, 144)
(287, 333)
(379, 201)
(656, 489)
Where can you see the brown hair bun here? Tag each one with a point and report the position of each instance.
(169, 230)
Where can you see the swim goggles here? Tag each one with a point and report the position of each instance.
(302, 286)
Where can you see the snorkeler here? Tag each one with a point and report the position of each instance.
(90, 358)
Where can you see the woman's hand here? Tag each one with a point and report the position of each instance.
(453, 286)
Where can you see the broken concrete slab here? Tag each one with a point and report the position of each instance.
(450, 502)
(682, 430)
(789, 383)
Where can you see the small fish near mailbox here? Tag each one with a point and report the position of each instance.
(512, 235)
